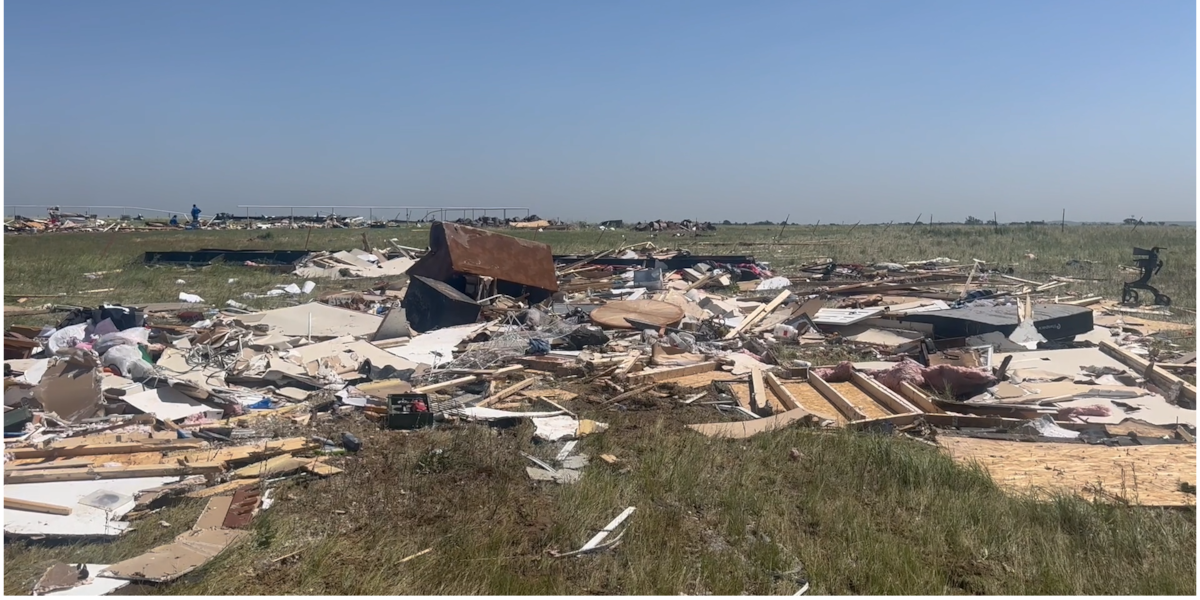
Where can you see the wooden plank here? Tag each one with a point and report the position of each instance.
(37, 507)
(1142, 366)
(317, 467)
(1177, 366)
(700, 282)
(1085, 301)
(435, 387)
(627, 364)
(758, 391)
(93, 473)
(919, 399)
(758, 314)
(633, 392)
(672, 372)
(785, 397)
(276, 465)
(900, 420)
(58, 464)
(506, 392)
(224, 488)
(883, 395)
(118, 448)
(835, 398)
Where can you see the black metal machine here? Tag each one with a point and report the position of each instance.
(408, 411)
(1150, 264)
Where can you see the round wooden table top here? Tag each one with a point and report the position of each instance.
(652, 312)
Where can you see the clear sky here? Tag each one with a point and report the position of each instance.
(839, 110)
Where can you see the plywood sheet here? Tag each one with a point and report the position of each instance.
(811, 400)
(864, 403)
(1143, 475)
(701, 380)
(807, 397)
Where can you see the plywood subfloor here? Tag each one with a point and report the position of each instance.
(807, 397)
(864, 403)
(1143, 475)
(701, 380)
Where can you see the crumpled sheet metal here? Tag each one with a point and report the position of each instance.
(939, 377)
(462, 249)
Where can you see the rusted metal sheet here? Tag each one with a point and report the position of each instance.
(241, 510)
(458, 249)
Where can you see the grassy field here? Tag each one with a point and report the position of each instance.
(852, 513)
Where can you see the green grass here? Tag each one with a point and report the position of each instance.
(857, 513)
(51, 264)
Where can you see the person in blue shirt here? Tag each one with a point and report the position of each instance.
(174, 221)
(195, 214)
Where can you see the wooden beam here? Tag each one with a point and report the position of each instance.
(56, 464)
(758, 314)
(1084, 301)
(785, 397)
(506, 392)
(918, 398)
(94, 449)
(901, 420)
(757, 391)
(628, 363)
(835, 398)
(37, 507)
(1177, 366)
(216, 490)
(487, 373)
(673, 372)
(1143, 367)
(435, 387)
(634, 391)
(276, 465)
(93, 473)
(884, 396)
(700, 282)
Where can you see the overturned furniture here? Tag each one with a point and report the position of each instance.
(1149, 263)
(477, 264)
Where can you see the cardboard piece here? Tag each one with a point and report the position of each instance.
(189, 551)
(70, 388)
(213, 514)
(87, 582)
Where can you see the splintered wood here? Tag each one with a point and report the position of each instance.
(1141, 475)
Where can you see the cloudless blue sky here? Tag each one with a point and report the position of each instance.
(832, 110)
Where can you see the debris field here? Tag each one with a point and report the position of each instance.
(120, 410)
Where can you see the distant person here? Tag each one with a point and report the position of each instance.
(195, 214)
(174, 221)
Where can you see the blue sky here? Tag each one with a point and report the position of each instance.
(839, 111)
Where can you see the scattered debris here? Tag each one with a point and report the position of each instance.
(120, 407)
